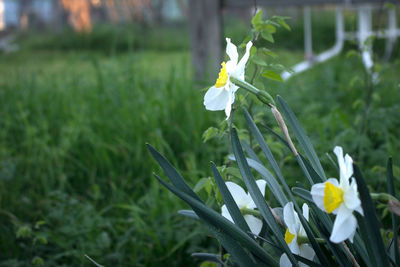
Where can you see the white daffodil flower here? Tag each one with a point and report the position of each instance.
(222, 95)
(293, 231)
(244, 200)
(340, 198)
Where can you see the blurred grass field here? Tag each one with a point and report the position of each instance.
(74, 127)
(76, 179)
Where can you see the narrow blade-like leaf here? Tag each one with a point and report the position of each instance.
(304, 194)
(394, 249)
(250, 152)
(208, 257)
(230, 203)
(267, 152)
(189, 213)
(302, 138)
(174, 176)
(371, 221)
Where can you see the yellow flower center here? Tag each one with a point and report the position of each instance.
(333, 197)
(222, 76)
(289, 236)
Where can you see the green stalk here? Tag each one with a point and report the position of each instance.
(262, 95)
(246, 211)
(384, 197)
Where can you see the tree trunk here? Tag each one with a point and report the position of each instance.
(205, 34)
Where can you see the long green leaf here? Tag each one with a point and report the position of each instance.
(267, 153)
(313, 174)
(371, 220)
(366, 239)
(189, 213)
(304, 169)
(302, 138)
(395, 222)
(304, 194)
(231, 237)
(208, 257)
(174, 176)
(250, 152)
(230, 203)
(279, 137)
(258, 198)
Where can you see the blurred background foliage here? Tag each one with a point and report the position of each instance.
(76, 110)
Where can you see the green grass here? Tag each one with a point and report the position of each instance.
(73, 132)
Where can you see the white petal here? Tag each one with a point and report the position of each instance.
(231, 51)
(294, 246)
(254, 223)
(233, 88)
(291, 218)
(350, 197)
(230, 67)
(359, 209)
(307, 252)
(344, 227)
(317, 192)
(349, 166)
(338, 150)
(261, 185)
(238, 194)
(306, 211)
(342, 166)
(225, 213)
(216, 98)
(239, 72)
(228, 106)
(284, 261)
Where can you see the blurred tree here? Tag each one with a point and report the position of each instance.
(205, 34)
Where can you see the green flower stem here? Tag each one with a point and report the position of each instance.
(262, 95)
(256, 213)
(384, 197)
(246, 211)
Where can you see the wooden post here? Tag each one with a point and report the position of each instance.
(205, 36)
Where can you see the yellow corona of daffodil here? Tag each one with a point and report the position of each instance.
(340, 198)
(222, 95)
(293, 231)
